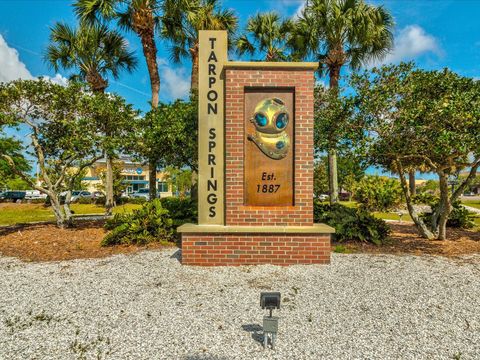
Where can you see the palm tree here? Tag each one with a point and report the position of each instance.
(269, 35)
(183, 19)
(94, 52)
(338, 33)
(142, 17)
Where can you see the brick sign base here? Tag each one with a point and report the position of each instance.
(253, 249)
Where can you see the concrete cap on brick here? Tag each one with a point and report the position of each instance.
(211, 229)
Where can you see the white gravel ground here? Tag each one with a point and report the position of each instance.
(148, 306)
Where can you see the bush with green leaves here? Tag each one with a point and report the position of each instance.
(181, 210)
(351, 224)
(459, 217)
(151, 223)
(378, 193)
(424, 198)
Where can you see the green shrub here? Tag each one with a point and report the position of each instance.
(376, 193)
(458, 218)
(151, 223)
(84, 200)
(352, 224)
(138, 201)
(424, 198)
(181, 210)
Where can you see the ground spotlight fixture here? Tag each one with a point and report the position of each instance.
(270, 301)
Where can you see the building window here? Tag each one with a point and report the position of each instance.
(133, 177)
(162, 186)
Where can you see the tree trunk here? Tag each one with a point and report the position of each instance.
(332, 153)
(332, 176)
(444, 208)
(152, 179)
(150, 53)
(68, 219)
(194, 77)
(419, 223)
(57, 210)
(411, 182)
(108, 186)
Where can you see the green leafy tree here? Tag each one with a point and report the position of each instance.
(183, 19)
(16, 183)
(63, 139)
(172, 137)
(168, 134)
(180, 180)
(339, 33)
(93, 52)
(378, 193)
(267, 33)
(422, 119)
(119, 184)
(351, 169)
(15, 150)
(143, 18)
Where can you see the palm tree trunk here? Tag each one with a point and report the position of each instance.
(332, 152)
(332, 176)
(152, 179)
(99, 85)
(194, 77)
(150, 53)
(109, 186)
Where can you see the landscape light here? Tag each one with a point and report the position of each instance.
(270, 301)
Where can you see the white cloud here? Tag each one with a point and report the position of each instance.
(299, 10)
(57, 79)
(174, 81)
(11, 67)
(412, 42)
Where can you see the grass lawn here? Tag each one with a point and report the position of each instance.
(23, 213)
(472, 203)
(391, 216)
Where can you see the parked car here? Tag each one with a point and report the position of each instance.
(76, 194)
(80, 194)
(34, 195)
(142, 193)
(14, 195)
(323, 197)
(97, 195)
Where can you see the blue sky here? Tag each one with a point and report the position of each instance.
(434, 33)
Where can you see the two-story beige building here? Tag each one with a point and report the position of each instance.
(134, 174)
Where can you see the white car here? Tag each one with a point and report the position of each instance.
(77, 194)
(141, 193)
(34, 194)
(323, 197)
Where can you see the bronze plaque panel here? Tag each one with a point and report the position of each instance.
(269, 147)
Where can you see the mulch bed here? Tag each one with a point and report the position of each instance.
(406, 240)
(45, 242)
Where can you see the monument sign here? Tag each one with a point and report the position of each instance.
(255, 163)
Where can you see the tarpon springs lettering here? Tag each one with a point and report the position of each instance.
(213, 55)
(212, 108)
